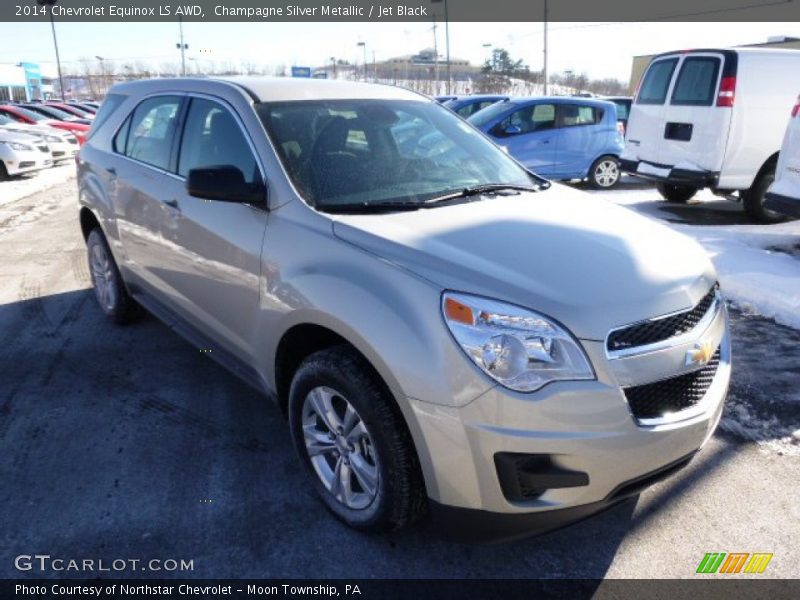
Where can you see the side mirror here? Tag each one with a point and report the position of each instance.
(512, 130)
(224, 183)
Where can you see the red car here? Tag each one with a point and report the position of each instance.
(73, 110)
(23, 115)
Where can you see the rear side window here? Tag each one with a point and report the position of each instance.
(571, 115)
(622, 110)
(656, 82)
(152, 129)
(697, 81)
(106, 109)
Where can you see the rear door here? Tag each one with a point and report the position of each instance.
(695, 128)
(645, 131)
(581, 136)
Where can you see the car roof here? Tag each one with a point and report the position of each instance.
(518, 100)
(278, 89)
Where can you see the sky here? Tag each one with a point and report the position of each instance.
(598, 49)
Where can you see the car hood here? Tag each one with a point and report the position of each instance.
(570, 255)
(35, 130)
(10, 135)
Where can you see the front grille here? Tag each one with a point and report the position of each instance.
(657, 330)
(654, 400)
(26, 163)
(58, 153)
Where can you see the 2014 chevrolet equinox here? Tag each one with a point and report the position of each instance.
(443, 328)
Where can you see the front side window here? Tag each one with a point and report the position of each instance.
(212, 137)
(151, 131)
(535, 117)
(697, 81)
(484, 117)
(656, 82)
(372, 152)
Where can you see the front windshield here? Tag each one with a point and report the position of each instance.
(57, 113)
(482, 117)
(34, 116)
(374, 152)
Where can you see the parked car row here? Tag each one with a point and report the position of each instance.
(715, 118)
(30, 141)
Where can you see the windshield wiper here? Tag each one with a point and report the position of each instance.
(486, 188)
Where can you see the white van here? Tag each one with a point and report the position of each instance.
(713, 118)
(784, 195)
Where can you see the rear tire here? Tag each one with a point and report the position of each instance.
(109, 289)
(604, 173)
(3, 172)
(753, 199)
(363, 466)
(679, 194)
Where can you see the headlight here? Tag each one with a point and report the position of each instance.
(52, 139)
(17, 146)
(516, 347)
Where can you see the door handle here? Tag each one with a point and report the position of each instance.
(545, 141)
(111, 171)
(173, 203)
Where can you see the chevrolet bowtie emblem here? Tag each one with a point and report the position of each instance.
(700, 354)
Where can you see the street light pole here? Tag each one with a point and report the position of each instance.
(447, 44)
(364, 47)
(50, 3)
(544, 51)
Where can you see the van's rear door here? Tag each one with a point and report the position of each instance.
(645, 131)
(697, 114)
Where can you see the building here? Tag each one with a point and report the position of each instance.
(23, 81)
(640, 62)
(424, 65)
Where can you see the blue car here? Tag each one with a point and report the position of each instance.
(466, 106)
(558, 138)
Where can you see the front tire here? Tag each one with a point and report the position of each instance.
(604, 173)
(753, 199)
(354, 443)
(109, 289)
(678, 194)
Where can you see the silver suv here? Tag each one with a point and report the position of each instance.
(445, 330)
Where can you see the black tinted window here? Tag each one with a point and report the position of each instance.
(656, 82)
(152, 130)
(697, 81)
(212, 137)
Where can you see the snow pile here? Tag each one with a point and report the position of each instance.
(21, 186)
(758, 265)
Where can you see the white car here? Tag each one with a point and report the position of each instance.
(63, 145)
(783, 196)
(21, 153)
(712, 118)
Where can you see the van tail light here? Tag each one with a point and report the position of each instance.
(796, 108)
(727, 91)
(621, 127)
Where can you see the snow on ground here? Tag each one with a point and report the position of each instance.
(19, 187)
(758, 265)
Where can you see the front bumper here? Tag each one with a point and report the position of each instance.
(785, 205)
(595, 453)
(669, 174)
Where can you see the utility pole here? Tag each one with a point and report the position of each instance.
(446, 41)
(50, 4)
(183, 47)
(544, 51)
(333, 64)
(436, 53)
